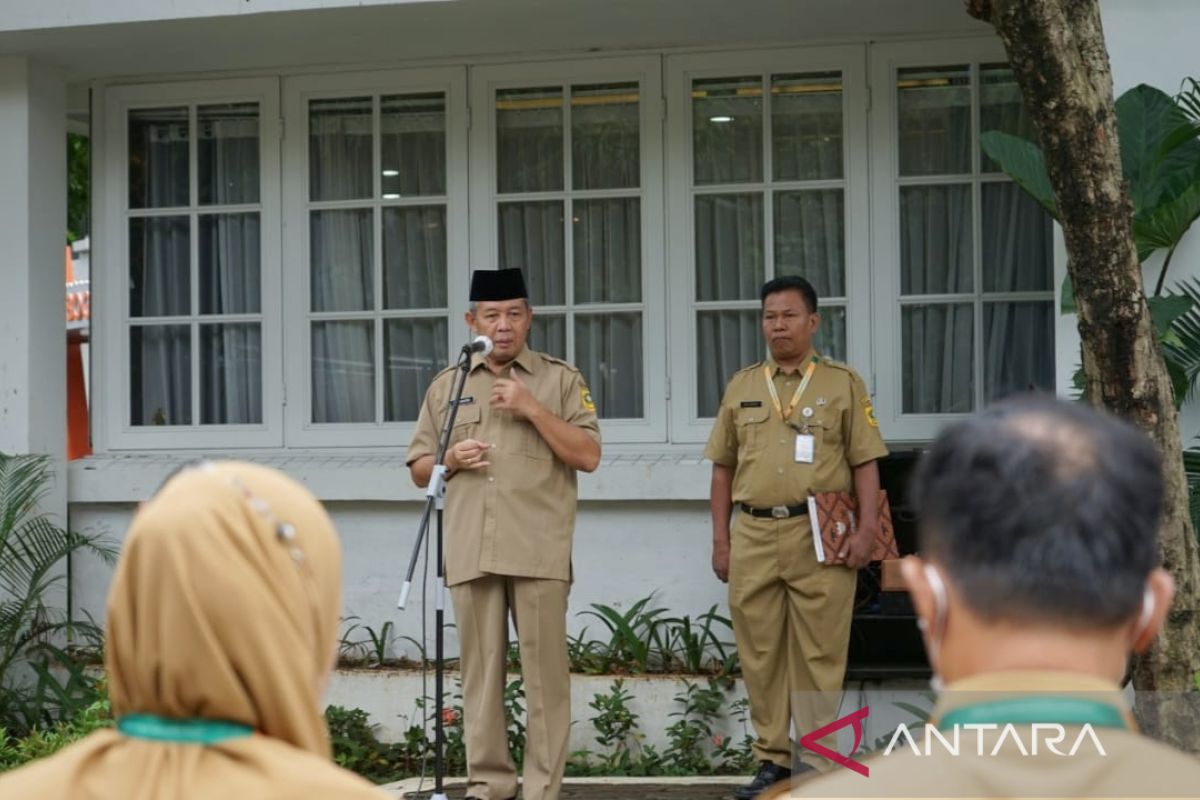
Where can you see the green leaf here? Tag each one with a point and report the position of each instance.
(1181, 351)
(1068, 296)
(1165, 225)
(1146, 117)
(1164, 310)
(1022, 161)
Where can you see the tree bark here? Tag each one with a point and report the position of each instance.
(1056, 48)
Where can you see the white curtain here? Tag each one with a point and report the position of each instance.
(342, 256)
(606, 236)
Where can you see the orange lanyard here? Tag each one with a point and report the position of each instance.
(785, 415)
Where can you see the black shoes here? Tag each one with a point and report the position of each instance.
(769, 773)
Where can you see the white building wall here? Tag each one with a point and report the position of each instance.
(623, 552)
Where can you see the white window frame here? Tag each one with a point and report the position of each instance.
(886, 61)
(686, 425)
(112, 392)
(297, 91)
(647, 71)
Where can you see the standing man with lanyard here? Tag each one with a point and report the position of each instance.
(1039, 575)
(791, 613)
(525, 426)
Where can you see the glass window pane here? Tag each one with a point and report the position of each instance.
(810, 238)
(231, 374)
(414, 257)
(934, 108)
(159, 267)
(1018, 348)
(726, 341)
(605, 140)
(160, 374)
(548, 334)
(1001, 108)
(343, 259)
(414, 350)
(339, 148)
(936, 254)
(343, 371)
(1018, 241)
(529, 140)
(729, 246)
(608, 351)
(806, 126)
(531, 239)
(158, 158)
(413, 145)
(608, 250)
(831, 336)
(727, 130)
(230, 275)
(227, 153)
(938, 345)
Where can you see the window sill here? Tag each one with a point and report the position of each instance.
(623, 476)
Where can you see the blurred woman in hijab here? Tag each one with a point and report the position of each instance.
(221, 630)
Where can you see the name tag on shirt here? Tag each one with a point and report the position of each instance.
(805, 447)
(752, 404)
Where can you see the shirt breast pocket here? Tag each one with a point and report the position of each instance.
(828, 428)
(749, 423)
(466, 423)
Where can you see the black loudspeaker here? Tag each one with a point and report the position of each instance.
(884, 640)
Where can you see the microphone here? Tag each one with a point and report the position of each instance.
(480, 344)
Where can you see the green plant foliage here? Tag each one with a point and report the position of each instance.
(40, 682)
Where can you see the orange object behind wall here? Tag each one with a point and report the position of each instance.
(79, 440)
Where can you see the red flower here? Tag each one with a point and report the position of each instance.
(449, 716)
(718, 740)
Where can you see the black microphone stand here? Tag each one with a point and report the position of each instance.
(435, 498)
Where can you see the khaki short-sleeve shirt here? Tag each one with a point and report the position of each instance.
(517, 516)
(750, 436)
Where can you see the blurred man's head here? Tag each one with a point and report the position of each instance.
(1039, 523)
(789, 317)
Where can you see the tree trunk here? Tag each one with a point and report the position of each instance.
(1056, 48)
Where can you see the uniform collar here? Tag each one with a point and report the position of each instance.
(1014, 685)
(525, 360)
(776, 369)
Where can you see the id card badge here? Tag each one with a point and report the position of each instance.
(805, 443)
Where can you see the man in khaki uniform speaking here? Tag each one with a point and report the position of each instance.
(1038, 576)
(525, 425)
(789, 426)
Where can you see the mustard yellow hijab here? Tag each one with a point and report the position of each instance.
(222, 622)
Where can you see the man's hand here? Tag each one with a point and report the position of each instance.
(855, 549)
(720, 561)
(468, 454)
(513, 396)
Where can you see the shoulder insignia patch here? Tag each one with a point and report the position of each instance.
(585, 398)
(869, 410)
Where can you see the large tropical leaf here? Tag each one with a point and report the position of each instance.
(1146, 117)
(1165, 225)
(1191, 468)
(1181, 350)
(1022, 161)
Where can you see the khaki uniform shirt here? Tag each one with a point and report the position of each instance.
(517, 516)
(1132, 766)
(750, 436)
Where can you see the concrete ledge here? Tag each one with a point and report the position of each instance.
(342, 476)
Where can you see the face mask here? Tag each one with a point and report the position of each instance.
(1146, 615)
(933, 638)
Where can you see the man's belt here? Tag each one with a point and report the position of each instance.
(777, 512)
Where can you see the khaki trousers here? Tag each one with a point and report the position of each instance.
(539, 613)
(791, 620)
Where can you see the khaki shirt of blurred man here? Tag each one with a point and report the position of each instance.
(1038, 576)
